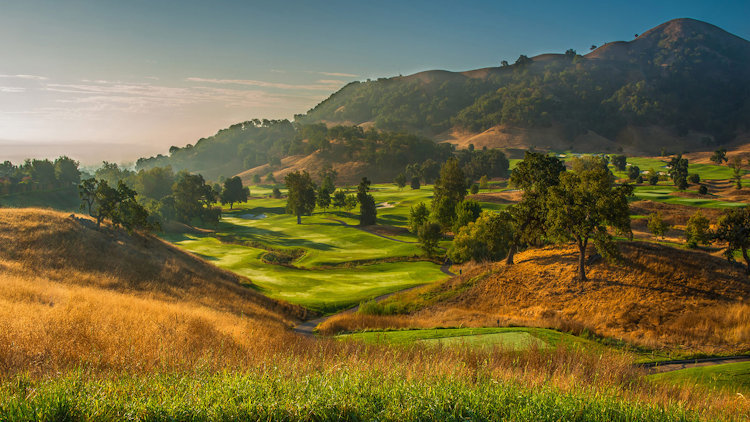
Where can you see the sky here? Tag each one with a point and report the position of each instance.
(117, 80)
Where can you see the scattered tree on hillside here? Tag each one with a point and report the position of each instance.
(694, 178)
(678, 171)
(351, 202)
(467, 211)
(256, 178)
(300, 195)
(429, 235)
(118, 205)
(418, 214)
(328, 178)
(66, 171)
(697, 230)
(486, 239)
(276, 193)
(400, 180)
(367, 209)
(703, 190)
(737, 172)
(619, 162)
(653, 177)
(523, 60)
(720, 156)
(323, 198)
(430, 170)
(270, 178)
(734, 228)
(449, 190)
(339, 199)
(584, 204)
(570, 54)
(415, 183)
(633, 172)
(193, 198)
(233, 191)
(534, 175)
(504, 63)
(484, 182)
(657, 226)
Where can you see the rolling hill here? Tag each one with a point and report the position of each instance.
(73, 296)
(683, 86)
(656, 296)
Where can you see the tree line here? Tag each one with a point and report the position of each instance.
(39, 175)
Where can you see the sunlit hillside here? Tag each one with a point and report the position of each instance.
(656, 296)
(73, 295)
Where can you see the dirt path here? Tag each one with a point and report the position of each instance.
(307, 328)
(676, 365)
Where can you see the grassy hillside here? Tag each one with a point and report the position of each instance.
(656, 296)
(98, 325)
(71, 295)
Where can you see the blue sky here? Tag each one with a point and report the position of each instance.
(120, 79)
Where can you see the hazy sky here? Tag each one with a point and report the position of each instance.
(117, 80)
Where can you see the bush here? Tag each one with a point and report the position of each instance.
(694, 178)
(467, 211)
(474, 189)
(653, 179)
(703, 190)
(639, 179)
(657, 226)
(696, 231)
(488, 238)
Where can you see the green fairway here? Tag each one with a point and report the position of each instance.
(325, 290)
(330, 263)
(729, 377)
(663, 193)
(516, 338)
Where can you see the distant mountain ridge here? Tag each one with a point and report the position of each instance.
(688, 78)
(682, 86)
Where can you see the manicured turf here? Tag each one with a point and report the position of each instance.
(730, 377)
(325, 290)
(518, 338)
(663, 193)
(329, 275)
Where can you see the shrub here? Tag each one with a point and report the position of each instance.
(488, 238)
(474, 189)
(696, 231)
(694, 178)
(703, 190)
(657, 226)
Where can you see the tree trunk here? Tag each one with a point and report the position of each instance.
(582, 259)
(747, 260)
(511, 252)
(299, 219)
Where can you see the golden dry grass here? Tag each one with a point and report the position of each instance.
(73, 295)
(655, 296)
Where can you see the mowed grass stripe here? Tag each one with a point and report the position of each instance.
(323, 290)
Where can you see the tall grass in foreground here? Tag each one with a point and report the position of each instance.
(94, 325)
(272, 393)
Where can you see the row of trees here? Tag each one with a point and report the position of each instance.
(63, 172)
(304, 195)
